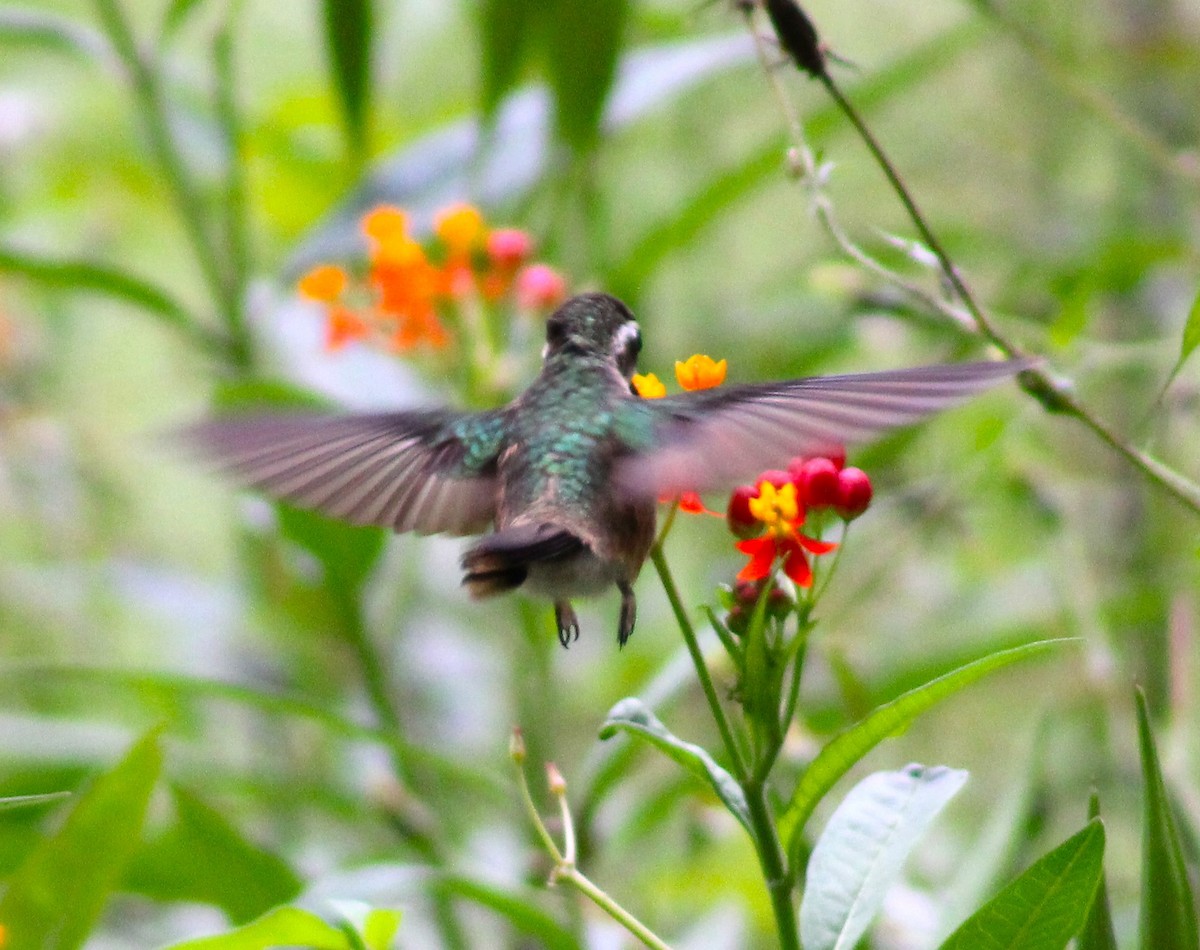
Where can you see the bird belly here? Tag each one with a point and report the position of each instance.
(577, 575)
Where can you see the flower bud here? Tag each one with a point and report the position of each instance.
(516, 746)
(509, 248)
(779, 602)
(817, 479)
(540, 287)
(741, 522)
(555, 780)
(746, 592)
(853, 493)
(738, 619)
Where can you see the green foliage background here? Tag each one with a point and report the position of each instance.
(315, 751)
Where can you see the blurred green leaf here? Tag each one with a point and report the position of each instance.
(518, 908)
(282, 927)
(1168, 912)
(203, 858)
(1187, 343)
(31, 801)
(58, 893)
(862, 851)
(841, 754)
(175, 16)
(504, 28)
(349, 31)
(1097, 933)
(380, 927)
(1044, 907)
(582, 45)
(51, 31)
(630, 715)
(75, 275)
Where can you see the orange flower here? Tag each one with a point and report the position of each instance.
(461, 228)
(700, 372)
(648, 386)
(325, 283)
(385, 223)
(342, 326)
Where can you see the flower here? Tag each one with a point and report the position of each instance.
(540, 287)
(509, 248)
(700, 372)
(691, 503)
(385, 223)
(741, 522)
(648, 386)
(342, 326)
(817, 479)
(460, 227)
(853, 493)
(324, 283)
(777, 508)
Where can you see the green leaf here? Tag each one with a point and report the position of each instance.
(58, 893)
(841, 754)
(517, 908)
(582, 45)
(863, 849)
(175, 16)
(1168, 912)
(380, 927)
(91, 277)
(1097, 933)
(205, 859)
(58, 33)
(31, 801)
(504, 27)
(632, 716)
(348, 34)
(282, 927)
(1187, 344)
(1044, 907)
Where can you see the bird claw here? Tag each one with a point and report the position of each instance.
(628, 614)
(568, 623)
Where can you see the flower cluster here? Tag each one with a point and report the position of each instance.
(407, 290)
(768, 515)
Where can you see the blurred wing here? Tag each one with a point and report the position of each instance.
(712, 439)
(426, 471)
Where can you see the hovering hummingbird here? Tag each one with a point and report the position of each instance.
(569, 473)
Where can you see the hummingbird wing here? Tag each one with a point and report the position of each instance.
(712, 439)
(431, 471)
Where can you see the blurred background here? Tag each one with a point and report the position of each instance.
(153, 221)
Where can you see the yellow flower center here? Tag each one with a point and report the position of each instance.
(776, 508)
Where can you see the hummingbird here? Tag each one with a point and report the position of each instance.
(567, 476)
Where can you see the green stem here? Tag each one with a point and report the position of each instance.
(693, 646)
(773, 863)
(148, 96)
(601, 899)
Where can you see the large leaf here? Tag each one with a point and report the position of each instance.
(840, 755)
(863, 849)
(1168, 913)
(57, 895)
(582, 44)
(504, 27)
(282, 927)
(1044, 907)
(348, 35)
(630, 715)
(203, 858)
(445, 165)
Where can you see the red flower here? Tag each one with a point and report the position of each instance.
(790, 550)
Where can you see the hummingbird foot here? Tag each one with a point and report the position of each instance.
(628, 613)
(568, 623)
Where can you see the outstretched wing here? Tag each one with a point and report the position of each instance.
(712, 439)
(426, 471)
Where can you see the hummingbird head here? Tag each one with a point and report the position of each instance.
(594, 325)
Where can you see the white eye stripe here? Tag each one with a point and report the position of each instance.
(628, 335)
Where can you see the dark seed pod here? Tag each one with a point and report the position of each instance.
(797, 36)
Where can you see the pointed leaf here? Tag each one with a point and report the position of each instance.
(840, 755)
(504, 27)
(1097, 933)
(1191, 332)
(282, 927)
(203, 858)
(31, 801)
(582, 44)
(348, 34)
(58, 893)
(863, 849)
(1044, 907)
(633, 717)
(1168, 912)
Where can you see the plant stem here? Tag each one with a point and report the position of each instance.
(693, 646)
(774, 865)
(601, 899)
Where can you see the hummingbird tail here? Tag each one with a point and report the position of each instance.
(500, 562)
